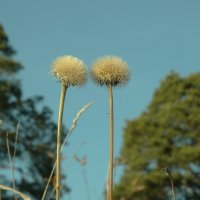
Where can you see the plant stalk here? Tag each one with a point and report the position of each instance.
(111, 143)
(172, 184)
(60, 116)
(173, 191)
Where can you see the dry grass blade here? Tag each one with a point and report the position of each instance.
(82, 162)
(172, 183)
(74, 123)
(51, 194)
(69, 163)
(11, 163)
(72, 158)
(22, 195)
(86, 183)
(15, 148)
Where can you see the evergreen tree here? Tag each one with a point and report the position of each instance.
(165, 137)
(36, 145)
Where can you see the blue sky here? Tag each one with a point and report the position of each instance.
(153, 36)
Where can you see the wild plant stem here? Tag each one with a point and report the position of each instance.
(54, 166)
(60, 116)
(173, 191)
(15, 148)
(22, 195)
(111, 144)
(11, 163)
(75, 121)
(172, 183)
(86, 183)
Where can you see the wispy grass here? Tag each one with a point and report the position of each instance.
(22, 195)
(12, 159)
(74, 124)
(69, 163)
(82, 162)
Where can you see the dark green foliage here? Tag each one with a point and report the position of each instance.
(166, 135)
(36, 145)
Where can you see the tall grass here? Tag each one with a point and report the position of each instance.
(72, 127)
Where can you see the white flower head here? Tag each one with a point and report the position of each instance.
(110, 70)
(69, 70)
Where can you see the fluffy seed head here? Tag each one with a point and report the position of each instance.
(110, 70)
(69, 70)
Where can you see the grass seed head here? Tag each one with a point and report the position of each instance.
(110, 70)
(69, 70)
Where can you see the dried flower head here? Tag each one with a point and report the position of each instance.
(110, 70)
(69, 70)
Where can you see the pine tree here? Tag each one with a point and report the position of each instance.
(36, 144)
(165, 138)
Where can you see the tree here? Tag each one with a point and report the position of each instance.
(36, 148)
(166, 136)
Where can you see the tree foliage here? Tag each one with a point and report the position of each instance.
(37, 133)
(167, 135)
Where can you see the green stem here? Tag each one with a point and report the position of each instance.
(111, 144)
(60, 115)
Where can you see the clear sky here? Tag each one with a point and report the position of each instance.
(153, 36)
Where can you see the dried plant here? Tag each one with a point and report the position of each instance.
(110, 71)
(70, 71)
(82, 162)
(74, 123)
(22, 195)
(12, 159)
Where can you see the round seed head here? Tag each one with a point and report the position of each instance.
(110, 70)
(69, 70)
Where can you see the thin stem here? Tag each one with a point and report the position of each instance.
(86, 183)
(15, 149)
(172, 184)
(14, 156)
(54, 166)
(75, 121)
(111, 144)
(60, 115)
(22, 195)
(51, 194)
(69, 196)
(11, 163)
(173, 191)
